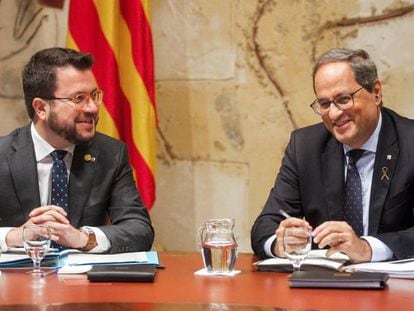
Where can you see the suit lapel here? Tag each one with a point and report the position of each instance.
(23, 169)
(81, 175)
(333, 176)
(385, 161)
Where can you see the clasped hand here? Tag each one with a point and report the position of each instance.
(55, 217)
(337, 235)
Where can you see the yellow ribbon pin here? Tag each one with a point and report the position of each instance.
(385, 173)
(88, 158)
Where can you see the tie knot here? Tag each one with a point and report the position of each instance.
(354, 155)
(58, 155)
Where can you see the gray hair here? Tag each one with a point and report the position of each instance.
(364, 68)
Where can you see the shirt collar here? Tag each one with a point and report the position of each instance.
(371, 143)
(43, 148)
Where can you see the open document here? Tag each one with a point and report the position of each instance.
(396, 269)
(17, 258)
(316, 260)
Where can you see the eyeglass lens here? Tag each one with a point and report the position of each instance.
(340, 100)
(82, 98)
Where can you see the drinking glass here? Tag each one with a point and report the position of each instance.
(297, 243)
(218, 245)
(36, 241)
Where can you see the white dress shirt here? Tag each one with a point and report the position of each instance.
(365, 165)
(44, 170)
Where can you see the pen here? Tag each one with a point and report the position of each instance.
(284, 214)
(50, 272)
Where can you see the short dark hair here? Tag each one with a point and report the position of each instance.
(39, 74)
(362, 65)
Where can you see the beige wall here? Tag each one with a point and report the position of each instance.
(232, 81)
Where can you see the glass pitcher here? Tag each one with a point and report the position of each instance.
(218, 245)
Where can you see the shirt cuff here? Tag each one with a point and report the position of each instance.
(3, 233)
(268, 246)
(102, 242)
(380, 251)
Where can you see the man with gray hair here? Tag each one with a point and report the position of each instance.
(350, 178)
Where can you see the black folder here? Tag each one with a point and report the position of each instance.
(122, 273)
(328, 279)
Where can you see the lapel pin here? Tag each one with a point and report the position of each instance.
(389, 157)
(385, 173)
(88, 158)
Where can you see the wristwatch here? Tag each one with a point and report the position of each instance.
(91, 239)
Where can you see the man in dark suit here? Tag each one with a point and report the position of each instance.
(310, 185)
(104, 212)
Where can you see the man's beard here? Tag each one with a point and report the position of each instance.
(67, 131)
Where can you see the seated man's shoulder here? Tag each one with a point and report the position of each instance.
(17, 136)
(107, 146)
(399, 120)
(312, 129)
(103, 139)
(312, 135)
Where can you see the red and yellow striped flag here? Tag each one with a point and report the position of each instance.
(118, 34)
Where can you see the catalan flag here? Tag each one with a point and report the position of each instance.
(118, 34)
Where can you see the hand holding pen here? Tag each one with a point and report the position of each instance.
(293, 221)
(284, 214)
(288, 222)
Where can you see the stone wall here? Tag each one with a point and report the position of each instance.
(233, 79)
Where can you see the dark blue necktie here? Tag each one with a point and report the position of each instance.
(353, 193)
(60, 192)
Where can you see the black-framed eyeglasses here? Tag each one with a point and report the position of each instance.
(343, 101)
(81, 99)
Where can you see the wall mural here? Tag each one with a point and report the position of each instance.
(25, 27)
(326, 31)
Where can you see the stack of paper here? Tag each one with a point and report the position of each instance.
(71, 257)
(395, 269)
(149, 258)
(17, 258)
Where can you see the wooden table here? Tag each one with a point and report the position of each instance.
(177, 288)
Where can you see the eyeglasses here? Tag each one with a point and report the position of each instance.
(344, 101)
(81, 99)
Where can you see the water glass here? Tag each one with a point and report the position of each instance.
(297, 243)
(36, 242)
(218, 245)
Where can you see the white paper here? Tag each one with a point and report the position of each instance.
(74, 269)
(402, 269)
(321, 253)
(88, 258)
(10, 257)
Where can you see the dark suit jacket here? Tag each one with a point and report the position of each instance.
(99, 190)
(311, 180)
